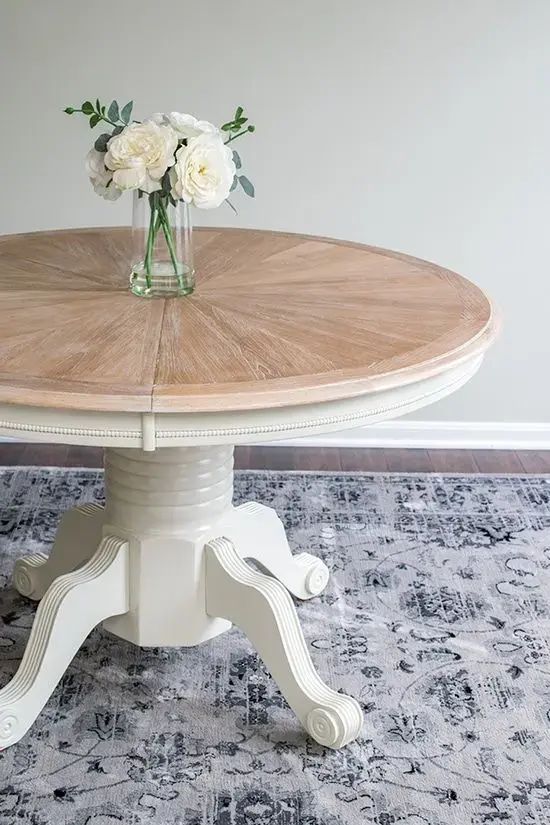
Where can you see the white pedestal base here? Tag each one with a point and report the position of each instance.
(164, 564)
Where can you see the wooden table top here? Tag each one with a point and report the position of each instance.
(277, 319)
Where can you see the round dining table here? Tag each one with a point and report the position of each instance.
(285, 336)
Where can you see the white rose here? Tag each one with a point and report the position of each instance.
(204, 171)
(187, 126)
(159, 118)
(101, 178)
(140, 155)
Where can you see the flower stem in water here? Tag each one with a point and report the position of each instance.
(153, 229)
(167, 229)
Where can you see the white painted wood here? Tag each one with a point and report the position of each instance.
(430, 435)
(73, 605)
(164, 507)
(77, 539)
(257, 532)
(112, 429)
(167, 504)
(148, 431)
(263, 609)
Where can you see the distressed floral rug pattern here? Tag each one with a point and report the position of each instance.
(437, 619)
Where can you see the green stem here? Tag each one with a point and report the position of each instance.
(167, 229)
(100, 116)
(234, 137)
(105, 119)
(153, 229)
(110, 122)
(120, 123)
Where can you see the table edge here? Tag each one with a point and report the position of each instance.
(245, 396)
(149, 430)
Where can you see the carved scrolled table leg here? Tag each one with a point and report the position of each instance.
(258, 533)
(77, 538)
(179, 585)
(73, 605)
(262, 607)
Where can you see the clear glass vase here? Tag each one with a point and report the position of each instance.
(162, 247)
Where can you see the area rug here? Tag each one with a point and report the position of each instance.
(437, 618)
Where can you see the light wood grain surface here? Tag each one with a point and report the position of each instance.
(277, 319)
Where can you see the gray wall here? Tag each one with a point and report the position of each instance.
(420, 125)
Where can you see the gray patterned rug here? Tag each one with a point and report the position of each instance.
(437, 619)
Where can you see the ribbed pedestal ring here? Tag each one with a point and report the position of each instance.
(169, 489)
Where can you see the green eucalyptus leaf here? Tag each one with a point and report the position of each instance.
(112, 112)
(238, 112)
(237, 159)
(126, 112)
(97, 105)
(117, 130)
(101, 143)
(87, 108)
(247, 186)
(235, 183)
(69, 110)
(241, 121)
(251, 129)
(227, 126)
(94, 120)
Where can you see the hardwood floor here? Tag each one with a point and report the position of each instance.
(312, 458)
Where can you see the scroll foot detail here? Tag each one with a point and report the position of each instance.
(263, 609)
(77, 538)
(260, 535)
(73, 605)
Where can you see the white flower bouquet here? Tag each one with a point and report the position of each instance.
(171, 159)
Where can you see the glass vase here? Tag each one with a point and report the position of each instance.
(162, 247)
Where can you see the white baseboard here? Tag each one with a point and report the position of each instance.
(435, 435)
(432, 435)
